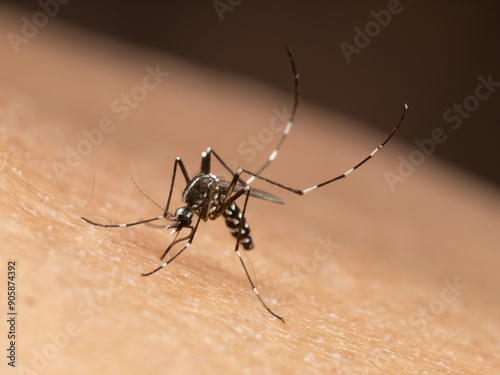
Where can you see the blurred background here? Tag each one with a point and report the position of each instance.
(361, 58)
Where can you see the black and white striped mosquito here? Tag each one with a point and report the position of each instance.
(208, 197)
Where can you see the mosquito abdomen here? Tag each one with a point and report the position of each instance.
(235, 220)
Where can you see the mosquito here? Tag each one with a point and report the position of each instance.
(207, 197)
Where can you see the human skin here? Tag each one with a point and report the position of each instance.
(368, 280)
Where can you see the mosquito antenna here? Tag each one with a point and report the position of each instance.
(143, 193)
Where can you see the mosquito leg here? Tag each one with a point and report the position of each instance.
(285, 131)
(246, 192)
(190, 240)
(178, 162)
(176, 241)
(290, 121)
(241, 181)
(122, 225)
(345, 174)
(230, 189)
(230, 199)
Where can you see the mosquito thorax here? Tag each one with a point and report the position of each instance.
(198, 190)
(183, 217)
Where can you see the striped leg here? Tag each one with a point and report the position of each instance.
(190, 240)
(345, 174)
(285, 131)
(122, 225)
(166, 214)
(242, 232)
(290, 121)
(240, 181)
(239, 227)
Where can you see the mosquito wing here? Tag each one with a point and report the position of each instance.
(257, 193)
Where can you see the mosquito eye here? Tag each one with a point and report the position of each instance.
(184, 216)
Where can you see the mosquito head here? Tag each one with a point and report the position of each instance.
(183, 218)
